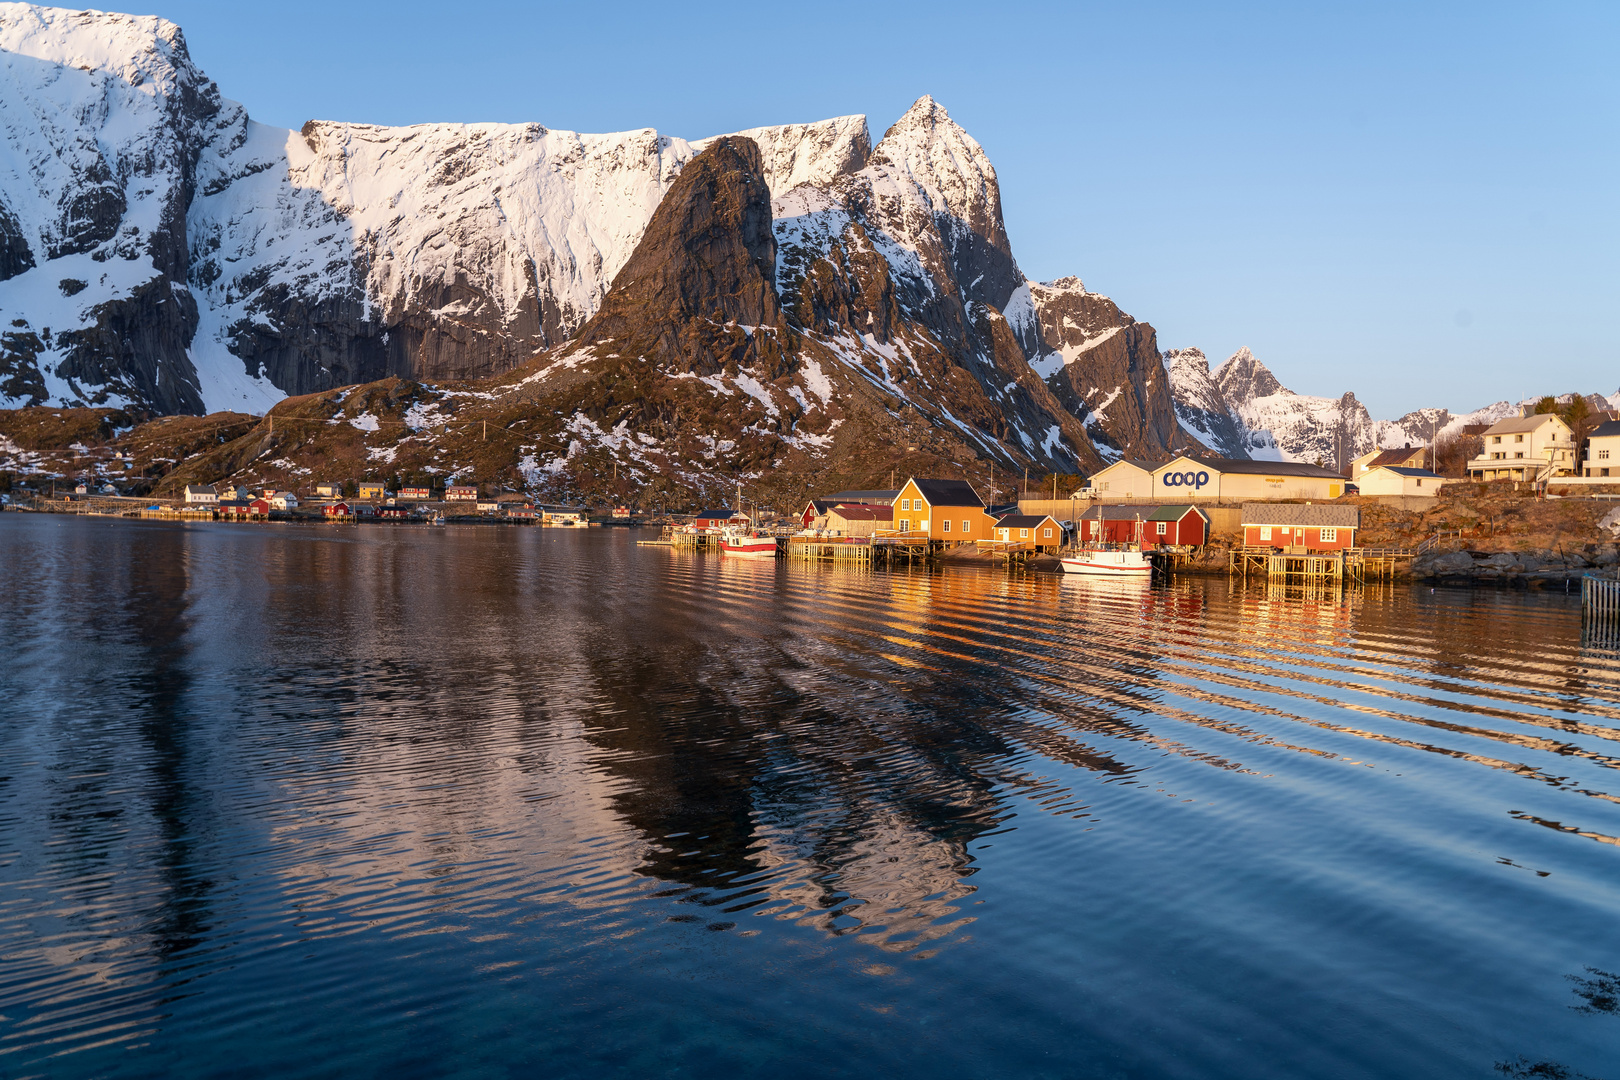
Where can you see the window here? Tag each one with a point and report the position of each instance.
(1603, 472)
(1603, 455)
(1420, 483)
(1023, 534)
(1519, 454)
(1046, 534)
(1163, 527)
(905, 526)
(1496, 438)
(1265, 532)
(1094, 526)
(1518, 438)
(947, 526)
(967, 525)
(1330, 536)
(905, 504)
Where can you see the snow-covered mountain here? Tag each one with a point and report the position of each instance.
(161, 249)
(1242, 409)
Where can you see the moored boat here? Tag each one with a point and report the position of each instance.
(746, 542)
(1105, 562)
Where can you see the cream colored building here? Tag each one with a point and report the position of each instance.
(1408, 457)
(1124, 480)
(1603, 451)
(1525, 448)
(1208, 479)
(202, 494)
(1400, 480)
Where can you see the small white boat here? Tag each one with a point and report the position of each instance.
(1103, 562)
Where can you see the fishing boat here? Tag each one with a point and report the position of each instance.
(744, 541)
(1105, 562)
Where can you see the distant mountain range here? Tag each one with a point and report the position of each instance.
(816, 298)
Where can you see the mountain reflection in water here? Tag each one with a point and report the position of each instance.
(374, 801)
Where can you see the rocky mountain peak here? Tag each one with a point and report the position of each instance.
(708, 256)
(796, 154)
(1071, 284)
(1243, 378)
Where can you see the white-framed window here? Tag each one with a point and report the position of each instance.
(1518, 438)
(905, 526)
(1496, 438)
(1330, 536)
(946, 527)
(1163, 527)
(1603, 455)
(1046, 534)
(1023, 534)
(1265, 532)
(967, 525)
(905, 504)
(1519, 454)
(1094, 527)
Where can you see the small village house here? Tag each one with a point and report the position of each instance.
(858, 520)
(718, 519)
(394, 513)
(814, 510)
(1173, 525)
(337, 510)
(420, 494)
(283, 500)
(1124, 480)
(370, 489)
(1400, 480)
(260, 508)
(1408, 457)
(1039, 530)
(200, 495)
(234, 508)
(461, 493)
(1531, 448)
(1300, 527)
(488, 507)
(944, 511)
(1603, 451)
(331, 490)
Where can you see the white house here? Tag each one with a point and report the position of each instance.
(1525, 448)
(284, 500)
(1124, 480)
(1603, 451)
(201, 494)
(1400, 480)
(1408, 457)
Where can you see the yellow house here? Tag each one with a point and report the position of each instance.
(947, 511)
(372, 490)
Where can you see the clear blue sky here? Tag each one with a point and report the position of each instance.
(1415, 202)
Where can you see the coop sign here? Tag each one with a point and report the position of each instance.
(1194, 480)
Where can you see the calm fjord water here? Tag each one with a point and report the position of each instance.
(356, 802)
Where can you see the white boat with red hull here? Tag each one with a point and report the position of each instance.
(1108, 562)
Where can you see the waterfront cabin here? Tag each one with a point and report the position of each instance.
(1300, 528)
(1525, 448)
(234, 508)
(813, 510)
(283, 500)
(1603, 451)
(337, 510)
(420, 494)
(201, 495)
(718, 519)
(1124, 480)
(1400, 480)
(461, 493)
(1104, 524)
(1176, 525)
(945, 511)
(332, 490)
(859, 520)
(371, 490)
(1041, 531)
(259, 508)
(394, 513)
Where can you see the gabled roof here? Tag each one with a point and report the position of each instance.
(1174, 512)
(819, 506)
(1408, 471)
(1117, 512)
(1023, 521)
(1395, 457)
(200, 489)
(1514, 424)
(866, 498)
(947, 492)
(1605, 430)
(1273, 513)
(717, 514)
(1269, 468)
(861, 512)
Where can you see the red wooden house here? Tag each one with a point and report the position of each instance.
(717, 519)
(1300, 527)
(1172, 525)
(336, 510)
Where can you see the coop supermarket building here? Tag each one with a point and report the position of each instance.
(1210, 479)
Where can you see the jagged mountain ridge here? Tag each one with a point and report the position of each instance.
(291, 262)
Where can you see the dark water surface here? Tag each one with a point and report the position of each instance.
(485, 802)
